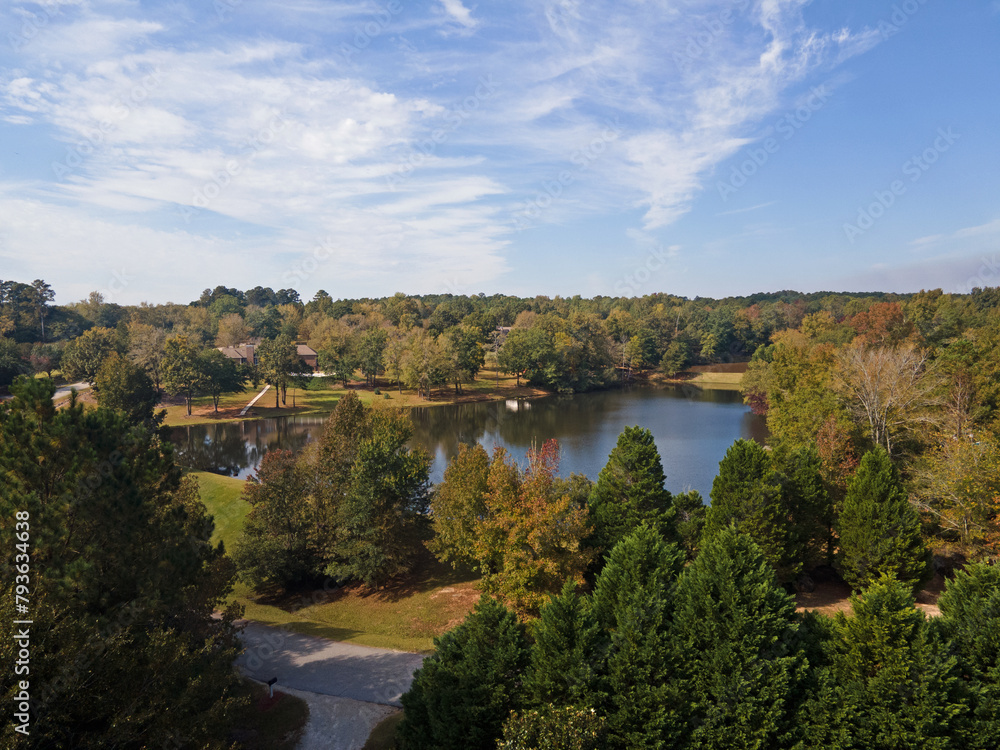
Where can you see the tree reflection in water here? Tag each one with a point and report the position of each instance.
(693, 428)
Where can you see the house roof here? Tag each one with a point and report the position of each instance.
(305, 351)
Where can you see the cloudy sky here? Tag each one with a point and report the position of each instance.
(152, 149)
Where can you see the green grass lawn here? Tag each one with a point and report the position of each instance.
(221, 496)
(405, 615)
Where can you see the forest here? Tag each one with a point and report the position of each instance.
(615, 613)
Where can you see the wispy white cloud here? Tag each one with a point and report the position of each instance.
(185, 128)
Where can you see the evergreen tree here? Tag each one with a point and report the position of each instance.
(462, 695)
(554, 728)
(630, 491)
(566, 653)
(889, 684)
(125, 652)
(970, 618)
(747, 493)
(633, 601)
(878, 528)
(690, 520)
(810, 507)
(734, 642)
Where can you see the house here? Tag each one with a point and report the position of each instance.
(245, 354)
(308, 355)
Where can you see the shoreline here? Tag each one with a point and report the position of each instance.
(483, 390)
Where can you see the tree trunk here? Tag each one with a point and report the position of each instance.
(275, 397)
(188, 400)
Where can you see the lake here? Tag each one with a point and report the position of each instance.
(693, 428)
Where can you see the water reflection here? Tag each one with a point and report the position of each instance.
(235, 449)
(693, 428)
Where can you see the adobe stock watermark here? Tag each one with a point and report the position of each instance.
(987, 275)
(302, 270)
(900, 16)
(34, 23)
(914, 168)
(366, 33)
(453, 120)
(655, 262)
(223, 177)
(122, 108)
(551, 190)
(753, 159)
(117, 284)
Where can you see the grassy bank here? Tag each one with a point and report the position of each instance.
(322, 395)
(404, 616)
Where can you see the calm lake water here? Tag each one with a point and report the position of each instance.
(693, 428)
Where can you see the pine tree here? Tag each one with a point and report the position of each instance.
(462, 695)
(747, 493)
(633, 601)
(889, 684)
(809, 504)
(734, 640)
(566, 653)
(970, 618)
(878, 528)
(630, 491)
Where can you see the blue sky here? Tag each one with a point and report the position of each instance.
(152, 149)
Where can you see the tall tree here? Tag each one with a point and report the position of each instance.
(634, 601)
(459, 505)
(278, 362)
(371, 347)
(747, 493)
(182, 373)
(630, 491)
(84, 355)
(970, 620)
(124, 578)
(41, 297)
(277, 544)
(382, 515)
(733, 637)
(221, 374)
(465, 354)
(530, 541)
(125, 387)
(889, 684)
(567, 652)
(12, 361)
(462, 694)
(146, 346)
(879, 530)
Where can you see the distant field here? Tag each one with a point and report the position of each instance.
(404, 616)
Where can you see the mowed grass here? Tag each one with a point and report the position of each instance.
(322, 394)
(221, 496)
(406, 615)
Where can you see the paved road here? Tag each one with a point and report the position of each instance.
(318, 665)
(63, 392)
(338, 723)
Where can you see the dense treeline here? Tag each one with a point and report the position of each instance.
(423, 342)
